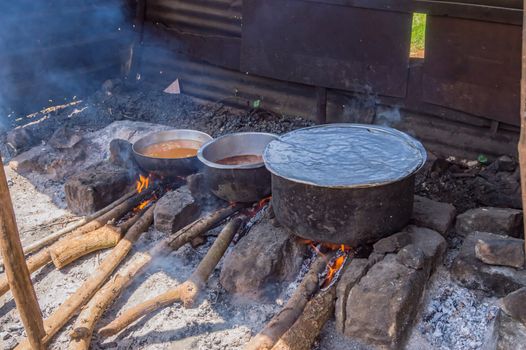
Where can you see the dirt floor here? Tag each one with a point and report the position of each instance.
(451, 317)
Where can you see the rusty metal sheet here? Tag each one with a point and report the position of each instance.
(327, 45)
(473, 66)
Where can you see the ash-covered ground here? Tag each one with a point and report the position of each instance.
(451, 316)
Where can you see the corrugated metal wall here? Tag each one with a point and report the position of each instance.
(56, 49)
(199, 42)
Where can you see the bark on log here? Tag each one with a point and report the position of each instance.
(280, 323)
(76, 301)
(85, 324)
(187, 292)
(33, 247)
(307, 328)
(66, 251)
(16, 269)
(43, 257)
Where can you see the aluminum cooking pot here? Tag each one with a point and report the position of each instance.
(241, 182)
(170, 167)
(347, 184)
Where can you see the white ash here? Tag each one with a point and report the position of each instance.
(453, 317)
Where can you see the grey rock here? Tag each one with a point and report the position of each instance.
(507, 334)
(514, 305)
(96, 187)
(504, 221)
(350, 276)
(175, 210)
(411, 256)
(435, 215)
(45, 160)
(65, 137)
(432, 244)
(381, 307)
(121, 154)
(393, 243)
(472, 273)
(21, 139)
(506, 163)
(501, 251)
(265, 255)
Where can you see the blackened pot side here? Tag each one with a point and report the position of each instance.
(344, 183)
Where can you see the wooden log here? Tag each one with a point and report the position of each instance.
(77, 300)
(43, 257)
(33, 247)
(280, 323)
(307, 328)
(66, 251)
(83, 328)
(16, 269)
(187, 292)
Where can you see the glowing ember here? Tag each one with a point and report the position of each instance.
(142, 184)
(144, 204)
(258, 207)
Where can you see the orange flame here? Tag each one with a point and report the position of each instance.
(334, 266)
(259, 206)
(142, 184)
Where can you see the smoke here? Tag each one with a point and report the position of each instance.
(388, 116)
(51, 51)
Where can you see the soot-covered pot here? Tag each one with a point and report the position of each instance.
(344, 183)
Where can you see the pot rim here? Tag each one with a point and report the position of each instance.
(417, 144)
(214, 165)
(135, 151)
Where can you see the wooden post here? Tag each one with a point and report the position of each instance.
(522, 141)
(321, 105)
(16, 268)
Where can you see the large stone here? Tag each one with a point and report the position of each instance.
(265, 255)
(508, 334)
(381, 307)
(504, 221)
(45, 160)
(472, 273)
(65, 137)
(350, 276)
(514, 304)
(21, 139)
(96, 187)
(175, 210)
(501, 251)
(435, 215)
(429, 241)
(121, 153)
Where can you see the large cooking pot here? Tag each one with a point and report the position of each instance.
(170, 167)
(238, 182)
(344, 183)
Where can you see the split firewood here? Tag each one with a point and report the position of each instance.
(77, 300)
(280, 323)
(307, 328)
(83, 328)
(43, 257)
(185, 293)
(66, 251)
(33, 247)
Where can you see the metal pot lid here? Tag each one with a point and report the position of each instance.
(345, 155)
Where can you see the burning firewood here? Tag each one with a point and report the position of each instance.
(85, 324)
(280, 323)
(66, 251)
(187, 292)
(307, 328)
(73, 304)
(43, 257)
(33, 247)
